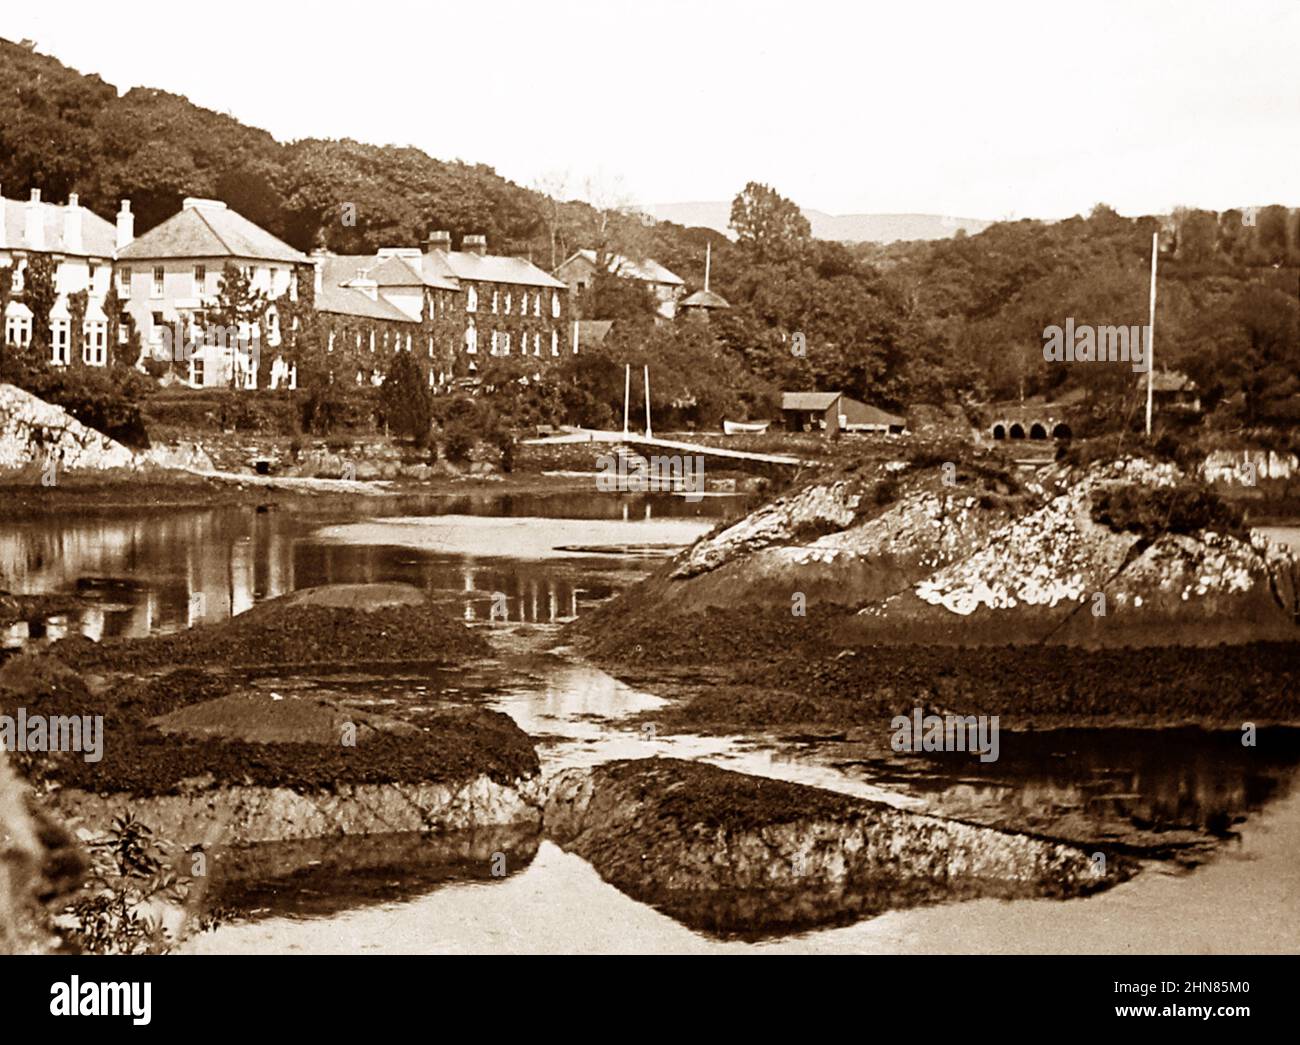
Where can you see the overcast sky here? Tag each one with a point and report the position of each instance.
(975, 109)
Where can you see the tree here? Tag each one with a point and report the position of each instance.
(77, 325)
(39, 295)
(6, 293)
(406, 399)
(239, 308)
(770, 225)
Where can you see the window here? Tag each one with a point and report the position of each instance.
(471, 339)
(555, 343)
(20, 273)
(158, 281)
(156, 327)
(61, 355)
(200, 279)
(18, 331)
(91, 270)
(505, 344)
(95, 350)
(124, 280)
(330, 346)
(197, 371)
(496, 300)
(493, 347)
(537, 343)
(537, 303)
(471, 299)
(508, 302)
(555, 305)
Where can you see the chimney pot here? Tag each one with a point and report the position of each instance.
(440, 240)
(476, 244)
(125, 225)
(72, 225)
(35, 230)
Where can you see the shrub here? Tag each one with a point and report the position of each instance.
(1154, 511)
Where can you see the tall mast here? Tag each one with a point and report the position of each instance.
(708, 258)
(1151, 329)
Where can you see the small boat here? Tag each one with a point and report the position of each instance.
(745, 427)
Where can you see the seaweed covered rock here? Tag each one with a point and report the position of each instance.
(335, 624)
(736, 854)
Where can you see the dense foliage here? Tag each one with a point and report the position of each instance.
(947, 321)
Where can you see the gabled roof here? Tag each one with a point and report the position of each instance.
(1169, 381)
(865, 414)
(593, 331)
(490, 268)
(808, 400)
(392, 271)
(347, 301)
(648, 271)
(209, 229)
(704, 299)
(98, 237)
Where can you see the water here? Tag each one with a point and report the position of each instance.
(1224, 820)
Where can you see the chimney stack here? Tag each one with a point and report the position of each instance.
(35, 232)
(72, 225)
(125, 225)
(474, 245)
(440, 240)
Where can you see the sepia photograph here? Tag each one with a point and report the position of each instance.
(635, 479)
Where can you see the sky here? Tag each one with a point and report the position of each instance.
(973, 109)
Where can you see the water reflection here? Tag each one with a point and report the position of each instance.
(142, 574)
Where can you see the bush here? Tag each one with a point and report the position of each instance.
(405, 400)
(108, 400)
(1154, 511)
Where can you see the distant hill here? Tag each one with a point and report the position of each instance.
(846, 228)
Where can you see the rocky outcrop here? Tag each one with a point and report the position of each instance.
(732, 853)
(962, 555)
(235, 815)
(1056, 574)
(36, 433)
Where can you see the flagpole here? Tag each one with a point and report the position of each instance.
(627, 393)
(1151, 329)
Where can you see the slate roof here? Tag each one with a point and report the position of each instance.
(649, 271)
(704, 299)
(808, 400)
(865, 414)
(348, 301)
(593, 331)
(98, 237)
(208, 229)
(490, 268)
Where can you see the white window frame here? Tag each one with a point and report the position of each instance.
(158, 282)
(94, 351)
(61, 342)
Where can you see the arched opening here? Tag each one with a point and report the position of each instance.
(999, 431)
(1017, 431)
(1037, 431)
(1062, 431)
